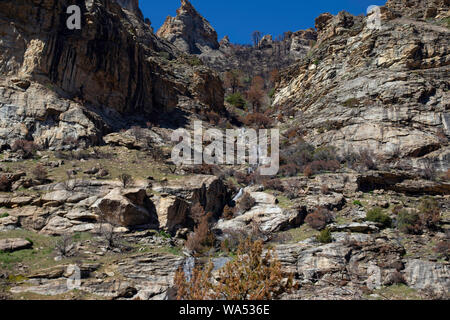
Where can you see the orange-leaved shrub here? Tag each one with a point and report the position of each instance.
(252, 275)
(319, 218)
(202, 238)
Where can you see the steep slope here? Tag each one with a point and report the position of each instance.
(384, 89)
(58, 83)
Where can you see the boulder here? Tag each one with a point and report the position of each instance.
(363, 227)
(14, 244)
(8, 223)
(331, 201)
(173, 213)
(269, 218)
(127, 208)
(209, 191)
(57, 226)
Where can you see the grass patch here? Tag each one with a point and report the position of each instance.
(284, 202)
(397, 292)
(300, 234)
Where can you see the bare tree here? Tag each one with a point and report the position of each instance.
(256, 37)
(64, 245)
(126, 180)
(232, 79)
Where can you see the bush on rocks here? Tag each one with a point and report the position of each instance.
(319, 219)
(377, 215)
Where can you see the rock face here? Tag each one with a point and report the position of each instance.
(127, 208)
(131, 5)
(58, 83)
(268, 55)
(209, 191)
(381, 89)
(266, 213)
(180, 195)
(428, 275)
(189, 31)
(422, 9)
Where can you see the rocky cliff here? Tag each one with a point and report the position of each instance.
(419, 9)
(189, 31)
(58, 83)
(383, 88)
(131, 5)
(192, 33)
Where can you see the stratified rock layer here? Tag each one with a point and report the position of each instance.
(382, 88)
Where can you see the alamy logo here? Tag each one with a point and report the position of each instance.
(374, 17)
(74, 20)
(240, 145)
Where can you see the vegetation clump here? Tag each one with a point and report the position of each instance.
(252, 275)
(319, 219)
(325, 236)
(377, 215)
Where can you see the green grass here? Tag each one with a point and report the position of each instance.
(398, 292)
(357, 203)
(445, 22)
(300, 234)
(40, 256)
(284, 202)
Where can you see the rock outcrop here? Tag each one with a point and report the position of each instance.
(127, 208)
(192, 33)
(9, 245)
(384, 89)
(189, 31)
(419, 9)
(131, 5)
(58, 83)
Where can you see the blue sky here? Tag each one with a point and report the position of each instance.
(239, 18)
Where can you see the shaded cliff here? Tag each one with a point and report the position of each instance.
(114, 64)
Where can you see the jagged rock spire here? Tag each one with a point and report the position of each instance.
(189, 30)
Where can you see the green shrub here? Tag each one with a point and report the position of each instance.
(409, 222)
(164, 234)
(325, 236)
(357, 203)
(429, 213)
(194, 61)
(446, 22)
(4, 215)
(29, 240)
(271, 93)
(377, 215)
(236, 100)
(351, 103)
